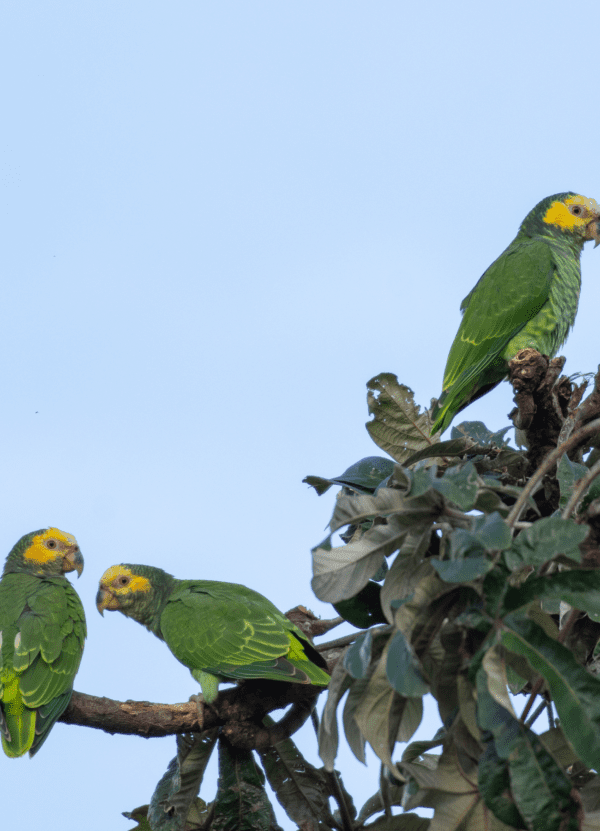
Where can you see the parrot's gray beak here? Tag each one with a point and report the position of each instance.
(593, 232)
(73, 561)
(106, 600)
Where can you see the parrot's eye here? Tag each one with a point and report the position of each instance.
(576, 210)
(123, 581)
(51, 543)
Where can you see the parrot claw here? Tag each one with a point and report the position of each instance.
(199, 701)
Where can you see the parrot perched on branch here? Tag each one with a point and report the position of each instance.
(42, 630)
(527, 298)
(219, 631)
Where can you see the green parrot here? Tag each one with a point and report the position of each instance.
(527, 298)
(42, 630)
(219, 631)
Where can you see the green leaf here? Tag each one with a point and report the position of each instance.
(364, 609)
(421, 480)
(495, 587)
(412, 716)
(377, 803)
(575, 692)
(300, 788)
(568, 473)
(479, 433)
(416, 610)
(417, 751)
(328, 728)
(178, 788)
(454, 447)
(462, 571)
(139, 815)
(545, 539)
(358, 656)
(492, 495)
(403, 669)
(579, 588)
(468, 559)
(400, 822)
(494, 786)
(241, 803)
(448, 786)
(590, 795)
(387, 502)
(342, 572)
(459, 485)
(489, 533)
(398, 426)
(360, 661)
(556, 743)
(492, 532)
(407, 570)
(319, 483)
(463, 544)
(356, 740)
(540, 788)
(379, 714)
(364, 476)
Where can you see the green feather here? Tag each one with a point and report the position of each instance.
(222, 631)
(42, 623)
(528, 297)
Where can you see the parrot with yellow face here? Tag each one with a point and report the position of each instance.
(42, 631)
(528, 297)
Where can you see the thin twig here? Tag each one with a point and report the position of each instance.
(549, 461)
(550, 714)
(536, 713)
(532, 696)
(340, 798)
(323, 647)
(314, 717)
(383, 790)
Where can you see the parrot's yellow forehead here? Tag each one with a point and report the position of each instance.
(575, 212)
(49, 545)
(135, 582)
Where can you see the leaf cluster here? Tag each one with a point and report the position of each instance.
(459, 598)
(241, 802)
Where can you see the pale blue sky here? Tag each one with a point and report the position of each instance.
(222, 219)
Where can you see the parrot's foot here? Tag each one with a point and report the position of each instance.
(199, 701)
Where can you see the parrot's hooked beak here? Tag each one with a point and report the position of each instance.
(106, 600)
(593, 231)
(73, 561)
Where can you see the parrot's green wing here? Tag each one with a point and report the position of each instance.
(512, 291)
(230, 631)
(43, 629)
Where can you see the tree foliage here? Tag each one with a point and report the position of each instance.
(481, 559)
(470, 569)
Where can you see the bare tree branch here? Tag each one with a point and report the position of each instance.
(239, 711)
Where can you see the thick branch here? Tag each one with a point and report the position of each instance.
(541, 401)
(239, 711)
(139, 718)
